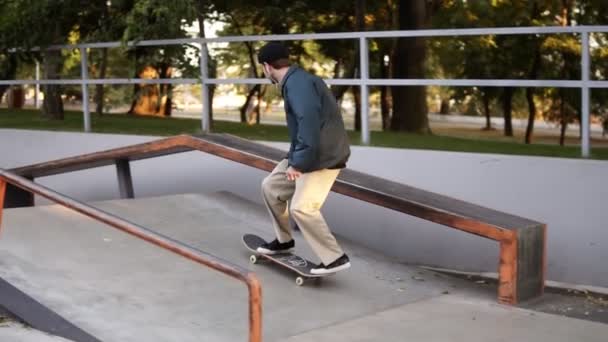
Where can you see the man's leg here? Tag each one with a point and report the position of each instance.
(311, 192)
(276, 191)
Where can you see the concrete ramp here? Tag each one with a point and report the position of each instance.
(118, 288)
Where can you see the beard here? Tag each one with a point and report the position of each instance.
(269, 75)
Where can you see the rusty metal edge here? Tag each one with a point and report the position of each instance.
(167, 243)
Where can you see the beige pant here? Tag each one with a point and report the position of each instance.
(306, 197)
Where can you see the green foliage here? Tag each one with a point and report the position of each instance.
(25, 24)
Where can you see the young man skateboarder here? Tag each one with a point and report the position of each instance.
(319, 150)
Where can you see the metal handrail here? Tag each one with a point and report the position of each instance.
(585, 83)
(162, 241)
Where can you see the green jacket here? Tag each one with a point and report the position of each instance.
(316, 129)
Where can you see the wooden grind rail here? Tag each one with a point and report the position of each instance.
(522, 242)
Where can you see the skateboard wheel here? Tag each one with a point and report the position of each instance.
(299, 281)
(253, 259)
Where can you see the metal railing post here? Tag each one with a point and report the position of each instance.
(363, 81)
(85, 89)
(585, 129)
(125, 181)
(364, 77)
(205, 118)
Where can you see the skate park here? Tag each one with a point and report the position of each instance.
(134, 144)
(102, 284)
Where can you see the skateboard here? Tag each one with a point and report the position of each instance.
(289, 260)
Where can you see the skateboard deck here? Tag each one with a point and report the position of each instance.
(288, 260)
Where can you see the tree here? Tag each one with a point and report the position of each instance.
(39, 24)
(157, 19)
(258, 17)
(204, 9)
(8, 69)
(385, 18)
(504, 56)
(409, 103)
(26, 25)
(335, 16)
(108, 23)
(535, 43)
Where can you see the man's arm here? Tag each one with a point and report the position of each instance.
(305, 103)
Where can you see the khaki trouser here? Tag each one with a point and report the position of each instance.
(306, 197)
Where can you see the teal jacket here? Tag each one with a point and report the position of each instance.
(316, 129)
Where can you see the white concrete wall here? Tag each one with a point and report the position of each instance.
(569, 195)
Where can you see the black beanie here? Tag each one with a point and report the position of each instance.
(271, 52)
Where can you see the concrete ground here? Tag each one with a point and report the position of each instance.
(17, 332)
(13, 331)
(121, 289)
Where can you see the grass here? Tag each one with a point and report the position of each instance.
(124, 124)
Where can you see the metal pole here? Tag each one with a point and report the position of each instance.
(37, 89)
(364, 66)
(125, 181)
(205, 119)
(85, 89)
(585, 95)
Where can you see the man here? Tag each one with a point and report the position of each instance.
(319, 149)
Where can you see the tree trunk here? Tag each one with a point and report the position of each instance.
(255, 91)
(386, 68)
(562, 135)
(563, 121)
(103, 63)
(340, 90)
(384, 105)
(3, 89)
(565, 20)
(212, 72)
(444, 107)
(507, 102)
(357, 96)
(258, 105)
(360, 26)
(52, 107)
(211, 95)
(166, 90)
(254, 70)
(99, 90)
(243, 110)
(486, 110)
(336, 89)
(409, 103)
(533, 75)
(136, 86)
(8, 72)
(360, 14)
(530, 97)
(531, 114)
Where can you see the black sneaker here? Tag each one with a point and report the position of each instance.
(339, 264)
(276, 247)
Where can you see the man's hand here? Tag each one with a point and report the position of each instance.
(292, 174)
